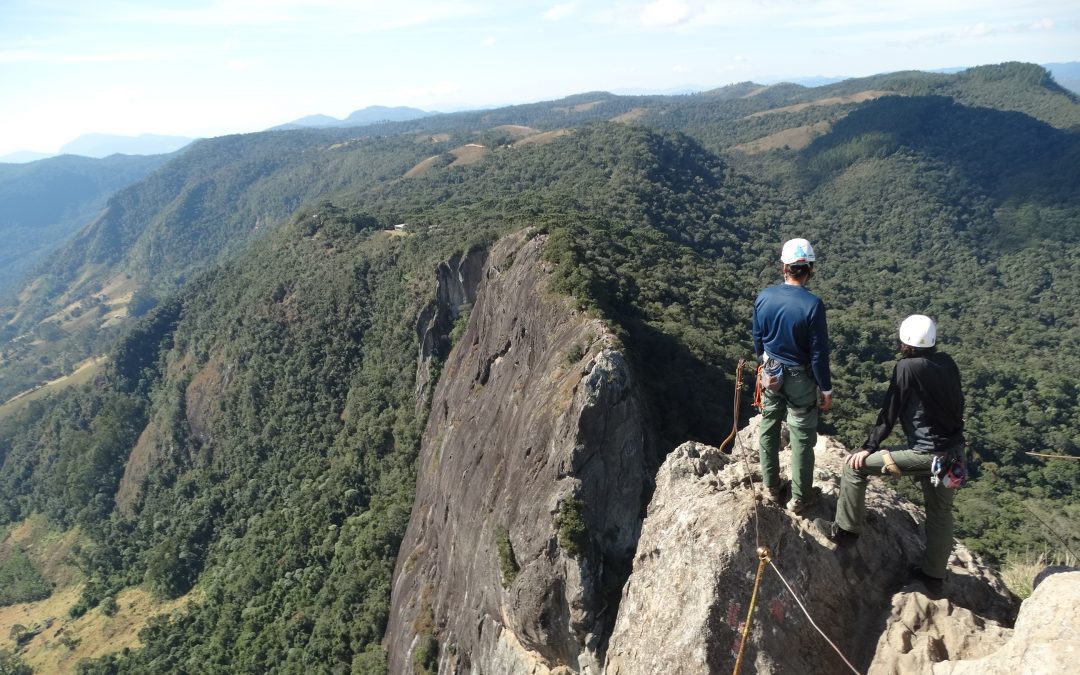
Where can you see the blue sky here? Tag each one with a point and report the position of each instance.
(211, 67)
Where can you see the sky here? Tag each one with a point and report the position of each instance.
(201, 68)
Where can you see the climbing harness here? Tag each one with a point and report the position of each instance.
(949, 469)
(735, 406)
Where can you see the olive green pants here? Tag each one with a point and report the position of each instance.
(851, 506)
(797, 403)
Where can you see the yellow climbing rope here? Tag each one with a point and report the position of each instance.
(763, 558)
(735, 406)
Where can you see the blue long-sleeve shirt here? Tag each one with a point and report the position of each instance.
(790, 326)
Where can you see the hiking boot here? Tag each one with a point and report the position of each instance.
(933, 584)
(834, 532)
(803, 504)
(777, 495)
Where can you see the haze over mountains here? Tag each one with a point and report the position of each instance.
(103, 145)
(227, 387)
(369, 115)
(43, 203)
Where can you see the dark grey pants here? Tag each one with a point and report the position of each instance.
(939, 500)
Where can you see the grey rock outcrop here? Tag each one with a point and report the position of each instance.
(686, 601)
(530, 487)
(1045, 640)
(921, 631)
(456, 281)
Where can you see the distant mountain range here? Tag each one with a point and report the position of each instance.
(1065, 74)
(24, 156)
(370, 115)
(44, 203)
(99, 146)
(102, 145)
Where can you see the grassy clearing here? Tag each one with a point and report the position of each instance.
(1020, 571)
(631, 115)
(59, 641)
(795, 138)
(423, 167)
(83, 373)
(50, 550)
(581, 107)
(832, 100)
(545, 137)
(470, 153)
(63, 642)
(516, 131)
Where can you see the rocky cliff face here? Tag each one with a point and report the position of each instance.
(530, 487)
(456, 281)
(1045, 641)
(529, 517)
(687, 599)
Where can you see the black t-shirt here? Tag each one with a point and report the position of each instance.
(925, 397)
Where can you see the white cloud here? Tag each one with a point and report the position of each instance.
(981, 31)
(489, 41)
(772, 15)
(243, 64)
(679, 68)
(930, 14)
(561, 11)
(358, 16)
(665, 13)
(417, 95)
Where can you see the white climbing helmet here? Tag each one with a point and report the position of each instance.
(918, 330)
(797, 251)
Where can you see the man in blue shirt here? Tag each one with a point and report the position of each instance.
(791, 338)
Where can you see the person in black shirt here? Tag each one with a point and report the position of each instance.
(924, 396)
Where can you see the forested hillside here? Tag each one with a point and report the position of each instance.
(251, 443)
(43, 203)
(207, 205)
(212, 201)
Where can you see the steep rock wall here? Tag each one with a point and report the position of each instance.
(687, 598)
(456, 281)
(530, 487)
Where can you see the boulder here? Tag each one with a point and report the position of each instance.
(1045, 640)
(686, 602)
